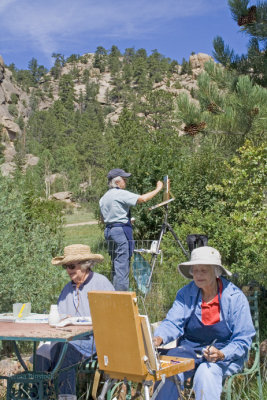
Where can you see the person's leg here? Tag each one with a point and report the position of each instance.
(67, 379)
(208, 381)
(42, 363)
(120, 258)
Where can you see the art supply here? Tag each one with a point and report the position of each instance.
(21, 310)
(53, 317)
(212, 344)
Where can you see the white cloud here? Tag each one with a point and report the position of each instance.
(47, 23)
(5, 3)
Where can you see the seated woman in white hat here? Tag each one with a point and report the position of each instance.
(73, 301)
(211, 320)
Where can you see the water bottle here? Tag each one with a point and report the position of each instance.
(53, 317)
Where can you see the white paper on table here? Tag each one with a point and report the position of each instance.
(74, 321)
(34, 318)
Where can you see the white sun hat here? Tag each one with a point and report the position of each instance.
(204, 255)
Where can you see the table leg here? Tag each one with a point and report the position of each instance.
(19, 356)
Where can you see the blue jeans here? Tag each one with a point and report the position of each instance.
(119, 252)
(66, 379)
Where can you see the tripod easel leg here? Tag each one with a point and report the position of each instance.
(164, 228)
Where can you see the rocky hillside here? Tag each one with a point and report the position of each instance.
(17, 102)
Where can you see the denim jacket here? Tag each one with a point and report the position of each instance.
(236, 311)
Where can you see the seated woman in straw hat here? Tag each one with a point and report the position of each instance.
(211, 319)
(78, 261)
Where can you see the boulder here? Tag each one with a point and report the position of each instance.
(9, 152)
(30, 160)
(197, 61)
(11, 127)
(8, 89)
(2, 96)
(62, 196)
(8, 168)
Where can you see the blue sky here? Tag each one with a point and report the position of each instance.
(38, 28)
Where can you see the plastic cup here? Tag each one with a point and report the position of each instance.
(17, 310)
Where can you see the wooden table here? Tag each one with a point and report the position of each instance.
(36, 332)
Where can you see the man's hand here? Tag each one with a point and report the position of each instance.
(157, 340)
(212, 354)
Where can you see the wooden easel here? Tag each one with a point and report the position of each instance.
(124, 344)
(167, 198)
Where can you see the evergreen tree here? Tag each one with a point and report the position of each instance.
(114, 60)
(58, 64)
(253, 22)
(234, 114)
(100, 60)
(66, 91)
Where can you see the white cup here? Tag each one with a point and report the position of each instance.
(19, 311)
(53, 317)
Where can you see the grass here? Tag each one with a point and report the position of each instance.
(79, 215)
(84, 234)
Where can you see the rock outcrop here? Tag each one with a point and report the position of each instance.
(197, 62)
(15, 102)
(2, 69)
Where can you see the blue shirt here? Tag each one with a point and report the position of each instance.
(115, 205)
(237, 316)
(74, 302)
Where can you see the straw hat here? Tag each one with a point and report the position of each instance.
(76, 253)
(204, 255)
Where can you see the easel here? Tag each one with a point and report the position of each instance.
(124, 344)
(165, 226)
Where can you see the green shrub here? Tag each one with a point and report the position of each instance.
(14, 98)
(12, 109)
(30, 237)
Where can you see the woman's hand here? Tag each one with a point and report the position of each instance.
(159, 185)
(212, 354)
(157, 340)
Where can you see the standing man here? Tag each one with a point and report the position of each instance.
(115, 210)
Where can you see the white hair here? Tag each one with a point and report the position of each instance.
(113, 182)
(87, 265)
(217, 270)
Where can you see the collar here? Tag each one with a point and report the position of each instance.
(89, 277)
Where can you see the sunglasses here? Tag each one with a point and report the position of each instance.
(69, 266)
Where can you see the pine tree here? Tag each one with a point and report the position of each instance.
(252, 21)
(230, 108)
(100, 60)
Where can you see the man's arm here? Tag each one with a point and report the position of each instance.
(148, 196)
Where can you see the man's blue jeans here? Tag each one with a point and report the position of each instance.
(119, 251)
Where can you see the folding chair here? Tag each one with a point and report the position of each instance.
(249, 371)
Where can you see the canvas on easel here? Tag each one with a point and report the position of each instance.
(167, 195)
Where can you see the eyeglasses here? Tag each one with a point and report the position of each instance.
(69, 266)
